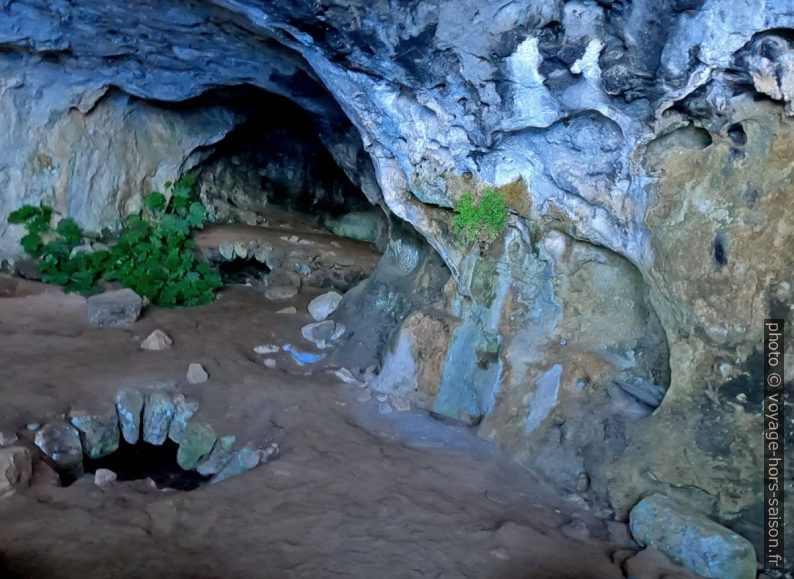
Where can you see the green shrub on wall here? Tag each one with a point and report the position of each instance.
(153, 255)
(482, 220)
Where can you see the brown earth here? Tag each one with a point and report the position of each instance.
(354, 494)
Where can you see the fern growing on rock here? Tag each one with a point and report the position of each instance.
(482, 220)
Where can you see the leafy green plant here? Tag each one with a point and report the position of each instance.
(483, 220)
(153, 255)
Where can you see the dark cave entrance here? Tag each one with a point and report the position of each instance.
(275, 168)
(284, 195)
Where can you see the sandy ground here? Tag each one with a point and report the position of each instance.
(354, 494)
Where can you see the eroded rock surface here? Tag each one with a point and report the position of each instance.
(649, 190)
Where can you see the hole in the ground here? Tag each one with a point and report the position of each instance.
(141, 461)
(244, 271)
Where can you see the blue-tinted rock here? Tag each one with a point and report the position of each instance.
(691, 539)
(157, 415)
(196, 442)
(129, 405)
(218, 457)
(99, 431)
(244, 460)
(61, 442)
(183, 412)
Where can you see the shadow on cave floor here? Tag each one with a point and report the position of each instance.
(353, 494)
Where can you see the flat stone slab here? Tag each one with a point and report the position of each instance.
(157, 415)
(691, 539)
(183, 411)
(218, 457)
(114, 308)
(129, 406)
(197, 442)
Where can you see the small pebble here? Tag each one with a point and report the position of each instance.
(381, 397)
(156, 341)
(33, 426)
(104, 476)
(196, 374)
(267, 349)
(364, 395)
(384, 408)
(289, 310)
(269, 363)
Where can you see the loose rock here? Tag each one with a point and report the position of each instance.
(61, 442)
(197, 442)
(288, 310)
(156, 341)
(196, 374)
(15, 470)
(157, 415)
(104, 476)
(691, 539)
(267, 349)
(114, 308)
(269, 363)
(318, 332)
(281, 292)
(324, 305)
(129, 405)
(364, 395)
(384, 408)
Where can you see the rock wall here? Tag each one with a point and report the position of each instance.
(643, 148)
(91, 155)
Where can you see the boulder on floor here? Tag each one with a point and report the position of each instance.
(691, 539)
(114, 308)
(324, 305)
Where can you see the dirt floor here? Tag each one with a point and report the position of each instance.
(354, 493)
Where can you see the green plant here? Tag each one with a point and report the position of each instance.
(153, 255)
(483, 220)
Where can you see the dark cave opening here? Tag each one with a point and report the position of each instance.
(276, 167)
(243, 271)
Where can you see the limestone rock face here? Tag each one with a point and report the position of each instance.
(649, 190)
